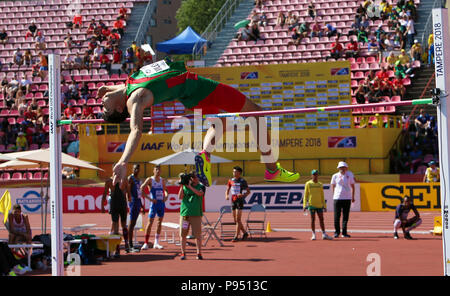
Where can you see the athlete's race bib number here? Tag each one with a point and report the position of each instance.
(155, 68)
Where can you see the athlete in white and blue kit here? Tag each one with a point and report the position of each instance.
(158, 197)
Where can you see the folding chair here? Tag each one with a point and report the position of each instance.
(210, 230)
(257, 224)
(225, 230)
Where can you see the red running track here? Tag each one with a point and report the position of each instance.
(286, 251)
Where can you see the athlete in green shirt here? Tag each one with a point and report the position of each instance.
(166, 81)
(314, 201)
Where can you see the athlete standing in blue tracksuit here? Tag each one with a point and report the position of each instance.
(134, 203)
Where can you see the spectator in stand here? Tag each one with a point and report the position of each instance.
(33, 104)
(74, 89)
(255, 32)
(91, 27)
(22, 107)
(353, 49)
(4, 86)
(421, 123)
(18, 98)
(398, 87)
(316, 31)
(117, 55)
(379, 32)
(28, 58)
(77, 61)
(119, 25)
(123, 13)
(431, 55)
(25, 84)
(92, 45)
(386, 10)
(87, 112)
(402, 70)
(43, 65)
(67, 62)
(373, 47)
(312, 10)
(77, 20)
(4, 36)
(84, 91)
(281, 19)
(30, 114)
(21, 142)
(101, 24)
(115, 36)
(105, 62)
(13, 86)
(263, 21)
(383, 75)
(389, 43)
(362, 35)
(68, 42)
(32, 30)
(129, 58)
(87, 61)
(336, 50)
(40, 42)
(98, 51)
(416, 51)
(70, 112)
(391, 60)
(293, 22)
(399, 40)
(18, 57)
(330, 31)
(410, 31)
(242, 35)
(106, 32)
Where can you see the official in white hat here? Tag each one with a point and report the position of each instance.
(343, 187)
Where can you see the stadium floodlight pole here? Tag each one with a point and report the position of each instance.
(442, 74)
(268, 112)
(54, 80)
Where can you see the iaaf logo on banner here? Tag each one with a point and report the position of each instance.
(281, 197)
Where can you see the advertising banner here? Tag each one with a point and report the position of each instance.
(387, 196)
(273, 197)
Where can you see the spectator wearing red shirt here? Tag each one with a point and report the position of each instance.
(87, 112)
(383, 75)
(336, 50)
(105, 62)
(106, 32)
(29, 115)
(123, 13)
(117, 55)
(78, 20)
(70, 112)
(92, 27)
(352, 49)
(118, 25)
(398, 88)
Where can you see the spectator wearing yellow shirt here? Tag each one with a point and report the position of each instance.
(314, 201)
(21, 142)
(432, 173)
(416, 51)
(404, 58)
(430, 40)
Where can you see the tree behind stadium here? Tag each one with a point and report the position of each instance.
(197, 14)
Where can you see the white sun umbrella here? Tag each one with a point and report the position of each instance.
(41, 157)
(186, 157)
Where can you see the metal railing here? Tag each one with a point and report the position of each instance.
(145, 22)
(216, 25)
(428, 29)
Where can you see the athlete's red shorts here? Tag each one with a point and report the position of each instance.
(223, 98)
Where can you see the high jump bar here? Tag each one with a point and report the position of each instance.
(425, 101)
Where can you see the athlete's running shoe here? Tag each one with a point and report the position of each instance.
(144, 246)
(326, 237)
(281, 175)
(203, 168)
(157, 246)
